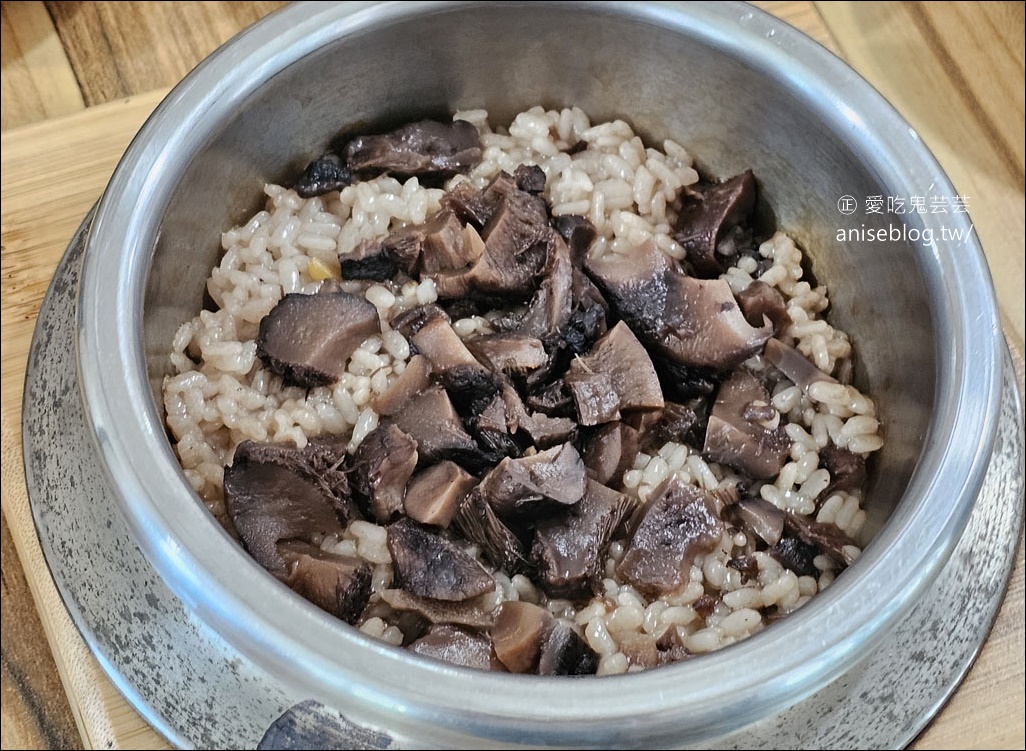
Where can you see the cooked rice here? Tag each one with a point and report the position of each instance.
(221, 394)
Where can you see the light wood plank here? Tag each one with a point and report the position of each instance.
(145, 45)
(922, 57)
(37, 80)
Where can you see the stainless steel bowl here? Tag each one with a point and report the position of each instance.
(739, 89)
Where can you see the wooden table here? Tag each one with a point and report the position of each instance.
(955, 70)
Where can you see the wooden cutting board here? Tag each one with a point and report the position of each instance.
(38, 219)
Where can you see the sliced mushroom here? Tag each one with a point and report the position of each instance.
(569, 549)
(761, 518)
(320, 461)
(409, 322)
(435, 494)
(517, 239)
(847, 469)
(426, 149)
(747, 566)
(707, 212)
(472, 612)
(553, 399)
(428, 565)
(509, 353)
(555, 475)
(676, 524)
(826, 536)
(431, 420)
(437, 341)
(457, 646)
(339, 584)
(479, 524)
(382, 466)
(794, 365)
(530, 178)
(413, 381)
(550, 308)
(323, 175)
(674, 422)
(475, 207)
(610, 452)
(447, 245)
(380, 259)
(564, 652)
(737, 437)
(691, 322)
(594, 395)
(519, 633)
(620, 355)
(269, 502)
(307, 339)
(578, 232)
(760, 302)
(545, 431)
(796, 555)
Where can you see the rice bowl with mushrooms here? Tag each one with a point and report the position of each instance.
(223, 394)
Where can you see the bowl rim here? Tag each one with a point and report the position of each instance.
(236, 597)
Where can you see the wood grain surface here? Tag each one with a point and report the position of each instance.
(955, 70)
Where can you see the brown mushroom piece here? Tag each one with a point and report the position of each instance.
(674, 422)
(380, 259)
(431, 420)
(564, 652)
(545, 431)
(447, 245)
(826, 536)
(270, 501)
(382, 465)
(517, 241)
(470, 613)
(509, 353)
(427, 565)
(550, 308)
(610, 452)
(621, 356)
(796, 555)
(707, 213)
(595, 399)
(794, 365)
(760, 518)
(457, 646)
(569, 549)
(475, 207)
(689, 322)
(553, 476)
(434, 495)
(413, 381)
(425, 149)
(736, 435)
(520, 630)
(339, 584)
(477, 521)
(530, 178)
(847, 469)
(760, 302)
(307, 339)
(323, 175)
(677, 523)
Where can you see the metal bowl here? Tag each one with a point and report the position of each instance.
(739, 89)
